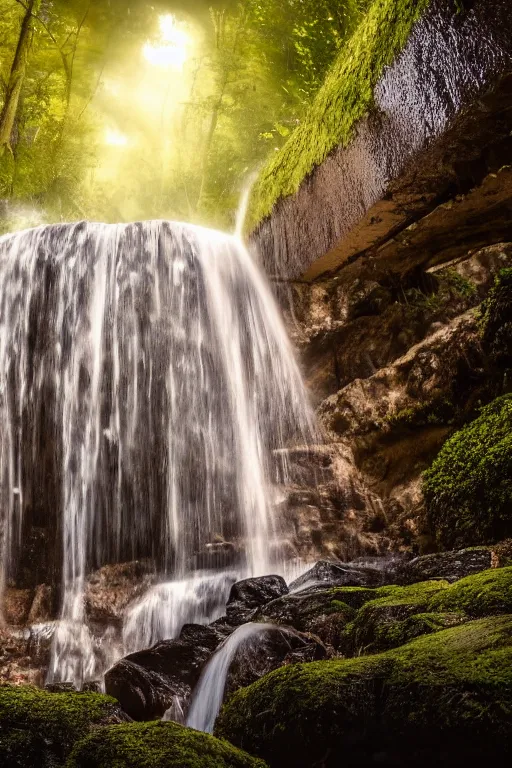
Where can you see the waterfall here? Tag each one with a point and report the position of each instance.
(146, 382)
(209, 692)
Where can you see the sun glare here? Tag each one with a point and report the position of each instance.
(170, 51)
(115, 138)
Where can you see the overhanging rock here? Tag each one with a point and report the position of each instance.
(439, 132)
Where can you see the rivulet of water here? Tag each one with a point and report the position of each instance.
(209, 693)
(146, 381)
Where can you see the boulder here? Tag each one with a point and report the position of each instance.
(147, 682)
(38, 728)
(277, 647)
(248, 595)
(303, 612)
(157, 745)
(451, 566)
(326, 573)
(441, 699)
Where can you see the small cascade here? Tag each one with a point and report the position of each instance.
(146, 384)
(166, 608)
(209, 693)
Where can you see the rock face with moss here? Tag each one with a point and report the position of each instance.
(384, 141)
(446, 696)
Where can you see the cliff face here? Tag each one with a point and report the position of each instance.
(396, 367)
(415, 111)
(382, 257)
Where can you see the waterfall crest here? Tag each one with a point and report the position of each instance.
(146, 380)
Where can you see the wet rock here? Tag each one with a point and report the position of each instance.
(145, 683)
(338, 575)
(16, 606)
(112, 588)
(42, 608)
(270, 650)
(451, 566)
(306, 612)
(248, 595)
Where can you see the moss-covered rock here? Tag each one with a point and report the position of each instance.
(483, 594)
(346, 96)
(38, 728)
(390, 620)
(398, 614)
(468, 489)
(447, 696)
(157, 745)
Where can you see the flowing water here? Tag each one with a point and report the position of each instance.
(209, 692)
(146, 380)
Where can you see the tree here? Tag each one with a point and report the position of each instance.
(17, 75)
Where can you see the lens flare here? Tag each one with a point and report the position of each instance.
(170, 51)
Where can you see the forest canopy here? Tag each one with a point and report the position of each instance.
(116, 110)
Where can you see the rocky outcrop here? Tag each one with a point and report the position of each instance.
(437, 653)
(147, 683)
(397, 363)
(427, 127)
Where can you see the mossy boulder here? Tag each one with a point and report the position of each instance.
(484, 594)
(38, 728)
(157, 745)
(468, 488)
(446, 696)
(398, 614)
(390, 620)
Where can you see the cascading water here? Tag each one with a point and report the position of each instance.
(209, 692)
(146, 382)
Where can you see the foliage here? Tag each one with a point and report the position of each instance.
(157, 745)
(451, 690)
(346, 96)
(468, 489)
(101, 133)
(496, 320)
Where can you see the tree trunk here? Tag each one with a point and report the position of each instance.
(17, 76)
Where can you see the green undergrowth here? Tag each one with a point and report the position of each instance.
(496, 320)
(157, 745)
(40, 728)
(346, 96)
(468, 488)
(448, 692)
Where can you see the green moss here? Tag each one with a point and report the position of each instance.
(496, 320)
(468, 489)
(345, 98)
(483, 594)
(157, 745)
(36, 724)
(446, 693)
(384, 621)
